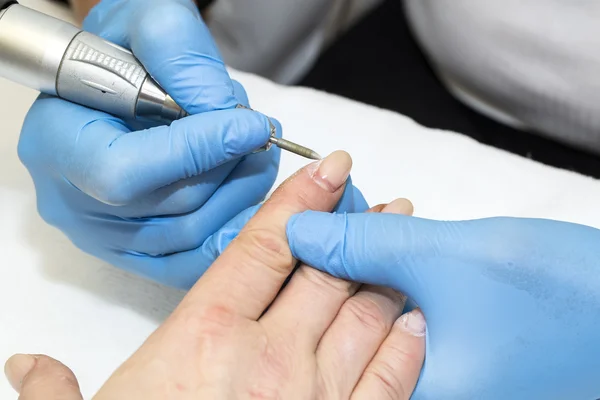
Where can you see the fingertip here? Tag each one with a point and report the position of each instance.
(17, 367)
(219, 136)
(376, 209)
(313, 237)
(251, 131)
(399, 206)
(414, 323)
(332, 172)
(49, 379)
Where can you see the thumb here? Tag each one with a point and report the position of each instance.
(380, 249)
(39, 377)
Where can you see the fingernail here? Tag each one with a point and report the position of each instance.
(332, 172)
(399, 206)
(414, 323)
(17, 367)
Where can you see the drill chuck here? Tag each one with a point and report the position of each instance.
(57, 58)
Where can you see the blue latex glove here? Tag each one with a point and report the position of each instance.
(146, 198)
(512, 305)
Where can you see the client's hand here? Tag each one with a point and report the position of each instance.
(512, 305)
(238, 335)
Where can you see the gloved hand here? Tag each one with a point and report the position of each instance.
(146, 198)
(512, 305)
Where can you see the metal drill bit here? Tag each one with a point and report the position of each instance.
(295, 148)
(285, 144)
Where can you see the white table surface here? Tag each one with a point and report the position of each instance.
(59, 301)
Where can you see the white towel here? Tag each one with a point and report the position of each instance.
(58, 301)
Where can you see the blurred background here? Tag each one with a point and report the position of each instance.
(379, 75)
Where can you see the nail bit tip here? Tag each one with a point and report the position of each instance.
(295, 148)
(315, 156)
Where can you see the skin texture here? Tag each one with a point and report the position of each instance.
(321, 337)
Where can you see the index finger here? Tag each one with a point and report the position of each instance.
(100, 156)
(252, 269)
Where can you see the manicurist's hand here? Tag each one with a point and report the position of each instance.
(141, 197)
(238, 335)
(512, 305)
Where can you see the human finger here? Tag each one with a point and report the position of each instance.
(360, 326)
(102, 158)
(380, 249)
(188, 195)
(309, 293)
(250, 272)
(315, 293)
(183, 269)
(39, 377)
(394, 371)
(245, 186)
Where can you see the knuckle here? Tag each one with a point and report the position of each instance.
(388, 379)
(206, 325)
(266, 247)
(308, 200)
(368, 313)
(293, 196)
(49, 368)
(69, 380)
(401, 354)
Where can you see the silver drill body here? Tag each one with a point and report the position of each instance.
(56, 58)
